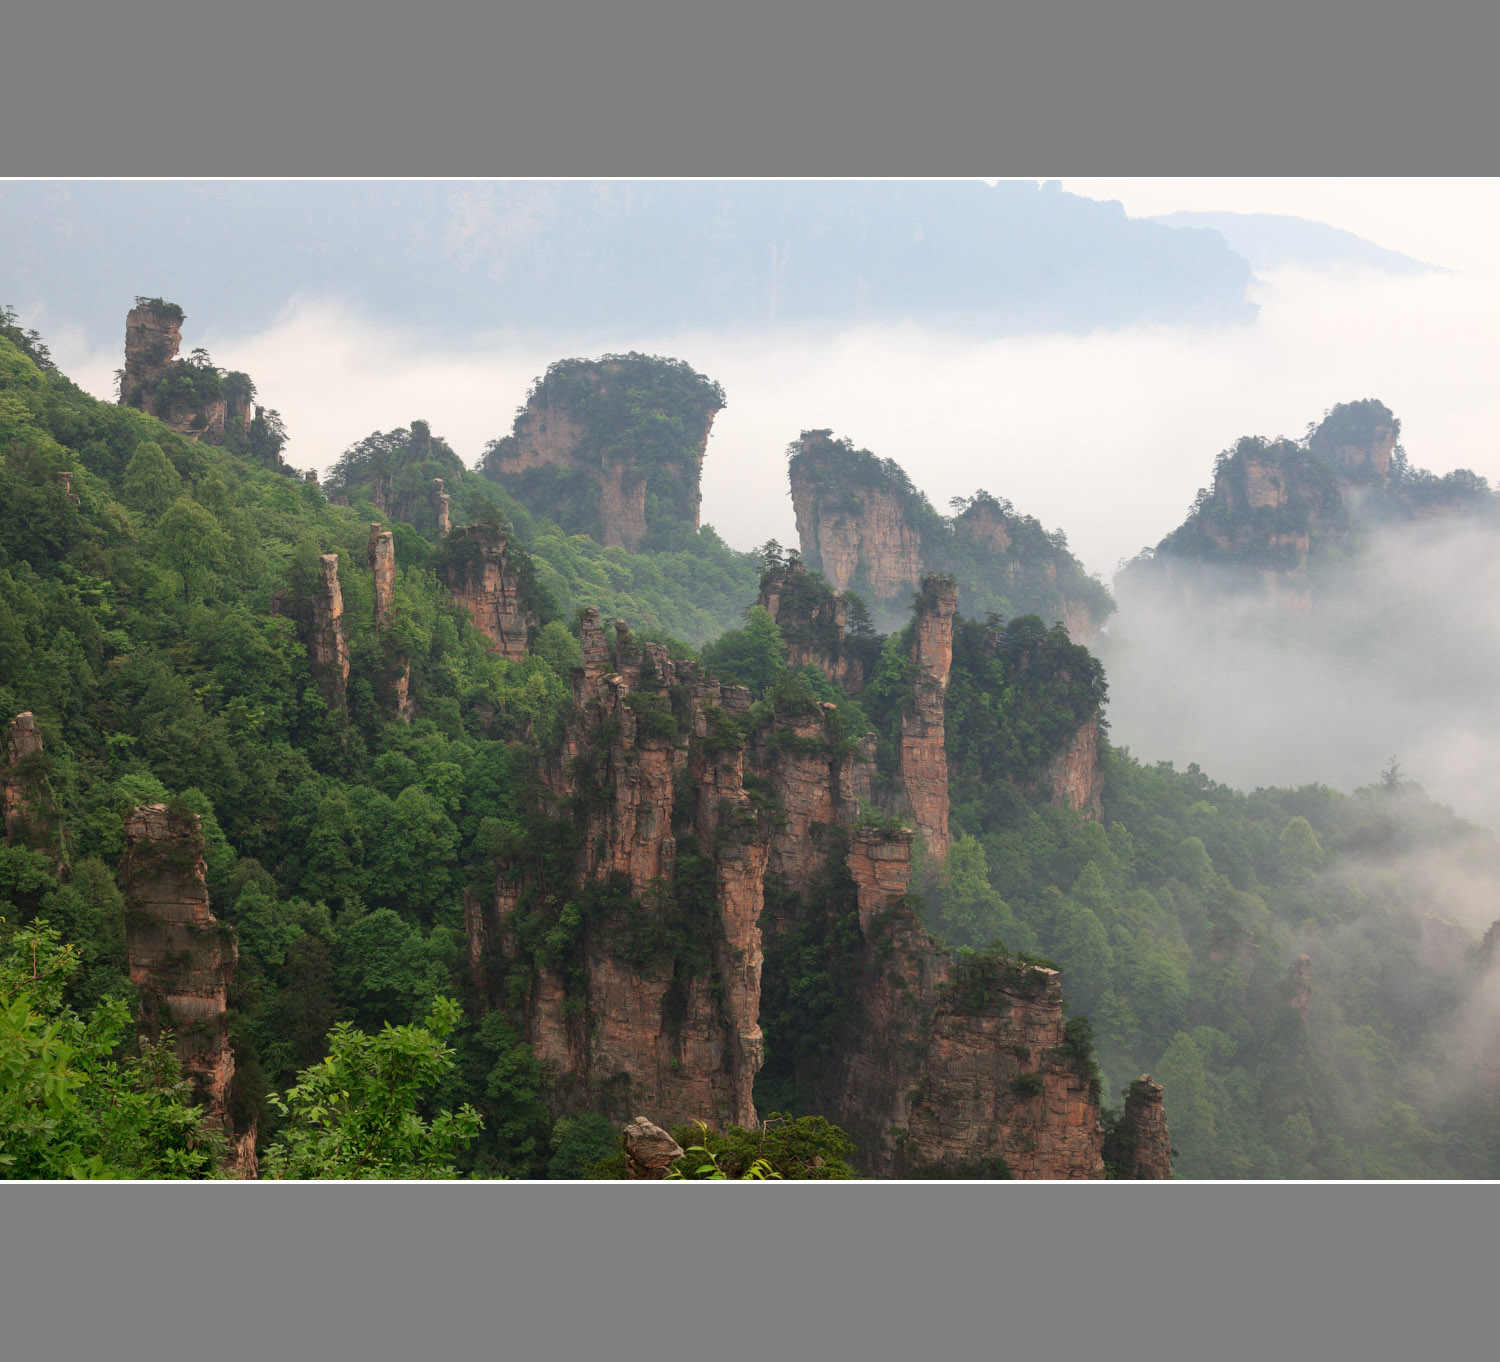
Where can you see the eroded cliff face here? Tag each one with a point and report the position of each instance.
(626, 931)
(992, 526)
(955, 1066)
(572, 454)
(483, 580)
(924, 758)
(1359, 440)
(319, 617)
(864, 526)
(381, 556)
(153, 336)
(657, 1009)
(814, 623)
(1141, 1145)
(1074, 774)
(817, 784)
(327, 647)
(858, 538)
(181, 957)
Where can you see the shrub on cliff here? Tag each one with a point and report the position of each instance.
(77, 1100)
(806, 1148)
(357, 1113)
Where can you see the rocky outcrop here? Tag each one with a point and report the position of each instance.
(594, 434)
(22, 773)
(658, 1005)
(327, 647)
(1299, 988)
(814, 623)
(923, 778)
(32, 815)
(319, 616)
(381, 555)
(153, 335)
(483, 579)
(817, 783)
(1273, 509)
(957, 1067)
(1140, 1147)
(1074, 776)
(181, 958)
(860, 538)
(866, 528)
(1082, 622)
(626, 930)
(649, 1151)
(1027, 563)
(1281, 517)
(440, 508)
(1358, 439)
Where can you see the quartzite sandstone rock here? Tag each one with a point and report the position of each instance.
(483, 580)
(382, 559)
(327, 648)
(871, 547)
(649, 1151)
(678, 1036)
(924, 758)
(1074, 775)
(954, 1065)
(152, 338)
(559, 435)
(1141, 1147)
(813, 623)
(181, 957)
(950, 1066)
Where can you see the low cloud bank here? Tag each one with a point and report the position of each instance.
(1106, 436)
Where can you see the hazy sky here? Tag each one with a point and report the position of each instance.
(1445, 222)
(1107, 435)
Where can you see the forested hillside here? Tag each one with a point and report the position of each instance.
(466, 862)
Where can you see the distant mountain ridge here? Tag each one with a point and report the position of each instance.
(466, 258)
(1268, 240)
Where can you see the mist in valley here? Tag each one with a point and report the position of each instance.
(1398, 657)
(1104, 428)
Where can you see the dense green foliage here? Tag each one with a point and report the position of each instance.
(392, 473)
(807, 1148)
(694, 590)
(1176, 921)
(77, 1098)
(156, 630)
(1017, 694)
(355, 1113)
